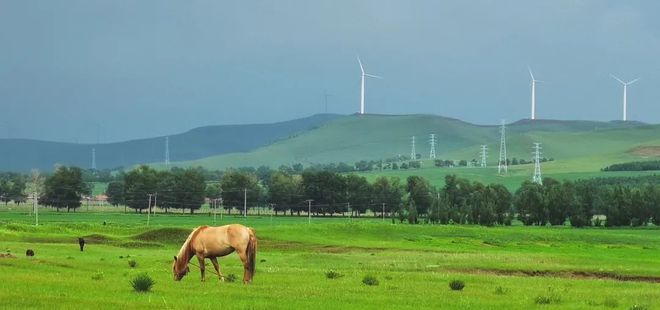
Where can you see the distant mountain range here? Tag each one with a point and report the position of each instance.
(26, 154)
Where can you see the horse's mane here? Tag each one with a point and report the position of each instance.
(186, 251)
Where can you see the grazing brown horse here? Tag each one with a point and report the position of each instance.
(212, 242)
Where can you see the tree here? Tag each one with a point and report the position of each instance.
(412, 212)
(239, 188)
(64, 189)
(284, 191)
(617, 206)
(560, 198)
(358, 193)
(139, 183)
(587, 196)
(115, 193)
(327, 189)
(189, 189)
(503, 209)
(528, 201)
(388, 192)
(419, 190)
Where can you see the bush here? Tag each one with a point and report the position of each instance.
(370, 280)
(98, 276)
(501, 290)
(331, 274)
(231, 278)
(132, 263)
(542, 300)
(142, 283)
(456, 285)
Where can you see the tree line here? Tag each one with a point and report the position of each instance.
(634, 166)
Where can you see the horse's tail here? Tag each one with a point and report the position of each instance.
(251, 252)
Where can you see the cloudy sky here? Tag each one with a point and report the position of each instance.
(120, 69)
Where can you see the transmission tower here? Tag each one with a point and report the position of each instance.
(413, 153)
(484, 155)
(167, 152)
(432, 142)
(94, 159)
(537, 164)
(502, 165)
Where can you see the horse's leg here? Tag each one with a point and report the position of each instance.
(202, 268)
(244, 259)
(214, 260)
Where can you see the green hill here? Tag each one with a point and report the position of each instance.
(374, 137)
(25, 154)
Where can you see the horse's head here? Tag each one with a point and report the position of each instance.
(179, 271)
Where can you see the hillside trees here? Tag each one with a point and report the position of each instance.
(239, 188)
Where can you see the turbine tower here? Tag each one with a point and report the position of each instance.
(432, 142)
(502, 164)
(625, 95)
(413, 153)
(167, 152)
(484, 152)
(364, 74)
(533, 93)
(537, 164)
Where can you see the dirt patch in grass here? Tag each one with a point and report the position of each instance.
(646, 151)
(97, 238)
(138, 245)
(7, 256)
(164, 235)
(563, 274)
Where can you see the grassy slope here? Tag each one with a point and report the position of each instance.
(409, 261)
(580, 148)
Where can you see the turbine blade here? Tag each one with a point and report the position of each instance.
(618, 79)
(530, 72)
(374, 76)
(360, 62)
(633, 81)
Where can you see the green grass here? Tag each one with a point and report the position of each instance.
(413, 264)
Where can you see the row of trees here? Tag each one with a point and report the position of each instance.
(635, 166)
(12, 187)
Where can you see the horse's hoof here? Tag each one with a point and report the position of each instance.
(222, 279)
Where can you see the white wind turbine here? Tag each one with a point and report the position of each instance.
(362, 84)
(533, 92)
(625, 94)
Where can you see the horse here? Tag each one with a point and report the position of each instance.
(213, 242)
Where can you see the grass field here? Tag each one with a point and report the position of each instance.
(502, 267)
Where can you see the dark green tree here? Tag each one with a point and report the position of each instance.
(529, 203)
(115, 193)
(138, 184)
(64, 189)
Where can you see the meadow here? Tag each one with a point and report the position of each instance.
(502, 267)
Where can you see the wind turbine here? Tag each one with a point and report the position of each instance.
(625, 94)
(362, 84)
(533, 92)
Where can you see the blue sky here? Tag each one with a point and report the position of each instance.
(78, 70)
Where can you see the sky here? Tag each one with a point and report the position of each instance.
(90, 71)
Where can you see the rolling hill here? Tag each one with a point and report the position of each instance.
(24, 154)
(576, 145)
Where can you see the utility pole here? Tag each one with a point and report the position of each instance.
(35, 206)
(432, 142)
(350, 212)
(537, 164)
(155, 200)
(484, 150)
(149, 209)
(94, 160)
(502, 164)
(309, 211)
(245, 202)
(383, 212)
(413, 153)
(215, 210)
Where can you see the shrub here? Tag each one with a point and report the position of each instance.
(542, 300)
(132, 263)
(97, 276)
(142, 283)
(501, 290)
(231, 278)
(456, 285)
(370, 280)
(331, 274)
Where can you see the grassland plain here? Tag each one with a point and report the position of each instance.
(503, 267)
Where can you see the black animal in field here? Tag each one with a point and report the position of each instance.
(81, 242)
(29, 252)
